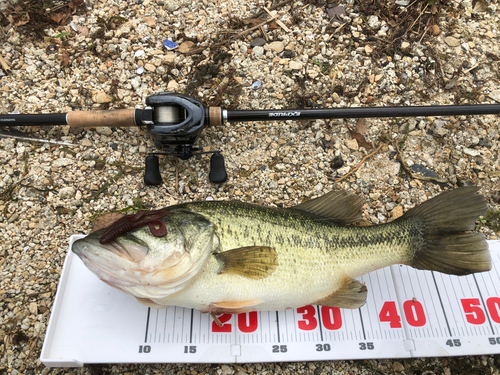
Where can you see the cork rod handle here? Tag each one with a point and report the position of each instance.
(114, 118)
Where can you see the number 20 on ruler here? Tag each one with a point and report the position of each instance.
(331, 317)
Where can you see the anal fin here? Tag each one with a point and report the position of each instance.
(233, 307)
(351, 295)
(254, 262)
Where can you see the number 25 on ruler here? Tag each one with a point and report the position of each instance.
(331, 317)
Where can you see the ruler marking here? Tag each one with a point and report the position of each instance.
(191, 328)
(165, 326)
(294, 326)
(260, 324)
(492, 283)
(461, 329)
(496, 269)
(392, 333)
(174, 321)
(424, 306)
(184, 338)
(362, 324)
(462, 288)
(147, 325)
(441, 303)
(482, 300)
(319, 322)
(427, 274)
(468, 328)
(156, 326)
(368, 313)
(278, 325)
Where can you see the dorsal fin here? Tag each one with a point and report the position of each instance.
(338, 205)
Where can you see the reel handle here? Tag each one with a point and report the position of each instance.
(218, 172)
(152, 175)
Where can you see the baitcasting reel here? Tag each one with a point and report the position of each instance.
(175, 122)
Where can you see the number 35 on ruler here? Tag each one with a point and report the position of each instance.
(331, 317)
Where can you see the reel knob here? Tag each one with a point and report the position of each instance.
(152, 175)
(217, 168)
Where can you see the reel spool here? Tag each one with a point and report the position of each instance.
(167, 115)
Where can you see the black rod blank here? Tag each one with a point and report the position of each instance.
(363, 112)
(33, 120)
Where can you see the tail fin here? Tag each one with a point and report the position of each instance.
(448, 245)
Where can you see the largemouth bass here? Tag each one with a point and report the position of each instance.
(233, 257)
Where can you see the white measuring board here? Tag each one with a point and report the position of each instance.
(409, 313)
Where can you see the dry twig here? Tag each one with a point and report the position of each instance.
(282, 25)
(272, 8)
(361, 162)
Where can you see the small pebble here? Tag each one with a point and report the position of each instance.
(435, 30)
(256, 85)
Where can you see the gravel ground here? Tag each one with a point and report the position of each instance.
(106, 54)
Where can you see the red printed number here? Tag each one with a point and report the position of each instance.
(330, 316)
(332, 319)
(473, 312)
(389, 313)
(309, 321)
(414, 313)
(224, 318)
(247, 322)
(493, 305)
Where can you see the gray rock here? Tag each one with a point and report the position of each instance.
(276, 46)
(439, 128)
(451, 41)
(63, 162)
(258, 42)
(397, 366)
(136, 83)
(495, 95)
(67, 192)
(103, 130)
(374, 22)
(258, 51)
(471, 152)
(48, 222)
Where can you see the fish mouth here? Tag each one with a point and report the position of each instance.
(127, 247)
(111, 261)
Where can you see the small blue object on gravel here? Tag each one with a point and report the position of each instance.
(170, 45)
(256, 85)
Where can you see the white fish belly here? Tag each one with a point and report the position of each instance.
(298, 280)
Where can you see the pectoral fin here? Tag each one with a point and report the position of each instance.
(254, 262)
(351, 295)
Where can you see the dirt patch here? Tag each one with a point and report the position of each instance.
(32, 18)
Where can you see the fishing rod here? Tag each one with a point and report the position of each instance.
(175, 122)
